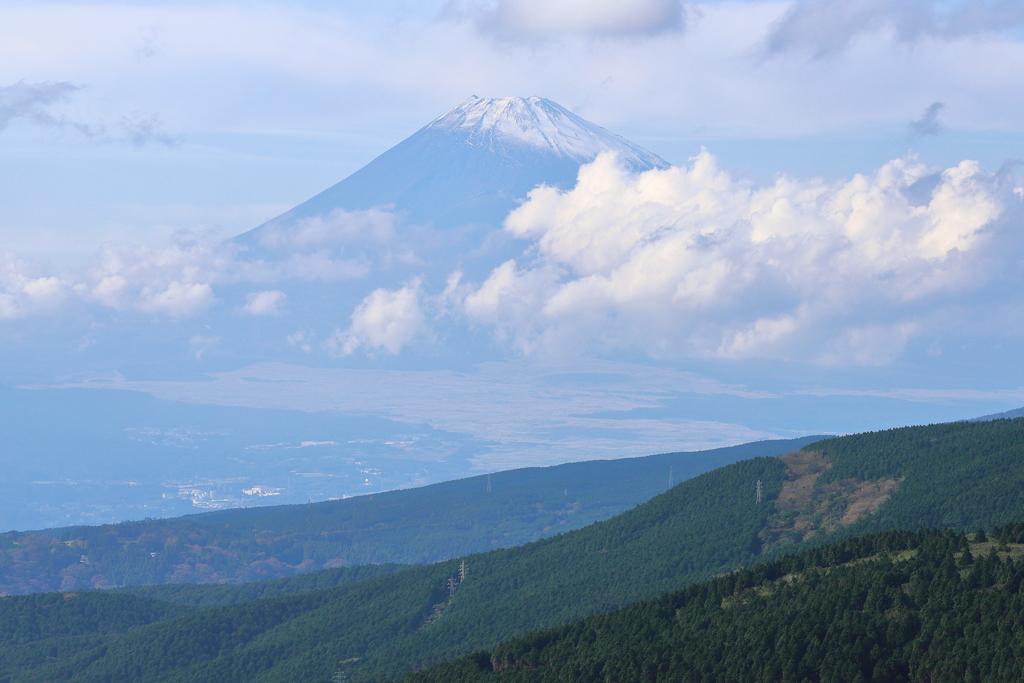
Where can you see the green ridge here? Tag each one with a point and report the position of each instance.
(964, 475)
(412, 526)
(895, 607)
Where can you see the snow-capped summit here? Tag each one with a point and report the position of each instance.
(504, 123)
(472, 165)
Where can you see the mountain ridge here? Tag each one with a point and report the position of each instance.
(963, 476)
(405, 526)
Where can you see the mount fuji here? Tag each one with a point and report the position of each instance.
(328, 352)
(471, 165)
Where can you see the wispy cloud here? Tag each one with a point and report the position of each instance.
(267, 302)
(37, 103)
(929, 123)
(823, 27)
(534, 20)
(180, 278)
(33, 102)
(141, 127)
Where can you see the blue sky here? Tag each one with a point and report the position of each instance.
(866, 146)
(136, 120)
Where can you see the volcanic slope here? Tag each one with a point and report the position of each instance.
(411, 526)
(470, 165)
(962, 475)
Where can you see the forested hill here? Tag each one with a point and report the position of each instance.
(961, 475)
(953, 475)
(897, 606)
(411, 526)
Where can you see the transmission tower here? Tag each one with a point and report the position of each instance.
(451, 586)
(488, 482)
(671, 480)
(462, 572)
(758, 491)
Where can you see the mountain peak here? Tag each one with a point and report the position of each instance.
(499, 123)
(473, 165)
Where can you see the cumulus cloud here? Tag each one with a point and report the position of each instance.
(176, 299)
(176, 281)
(545, 19)
(691, 261)
(824, 27)
(24, 292)
(386, 319)
(929, 123)
(683, 262)
(265, 303)
(179, 279)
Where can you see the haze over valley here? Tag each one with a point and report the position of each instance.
(521, 287)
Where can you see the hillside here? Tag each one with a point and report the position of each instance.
(898, 606)
(411, 526)
(961, 475)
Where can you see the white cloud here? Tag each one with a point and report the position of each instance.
(176, 281)
(691, 261)
(339, 226)
(685, 262)
(339, 245)
(302, 339)
(24, 293)
(268, 302)
(541, 19)
(512, 302)
(386, 319)
(321, 265)
(177, 299)
(870, 345)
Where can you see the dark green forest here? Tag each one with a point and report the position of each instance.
(925, 606)
(408, 619)
(215, 595)
(961, 476)
(412, 526)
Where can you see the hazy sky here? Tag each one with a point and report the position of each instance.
(126, 122)
(856, 205)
